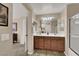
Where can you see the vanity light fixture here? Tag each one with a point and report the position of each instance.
(48, 18)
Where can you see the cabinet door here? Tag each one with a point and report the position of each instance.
(54, 45)
(36, 43)
(47, 43)
(61, 45)
(41, 43)
(57, 44)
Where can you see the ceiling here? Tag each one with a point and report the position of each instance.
(46, 8)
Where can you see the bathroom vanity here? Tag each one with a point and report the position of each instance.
(49, 42)
(49, 33)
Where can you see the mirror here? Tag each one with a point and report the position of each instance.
(48, 24)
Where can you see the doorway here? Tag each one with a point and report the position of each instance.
(20, 37)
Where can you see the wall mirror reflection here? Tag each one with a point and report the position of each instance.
(48, 24)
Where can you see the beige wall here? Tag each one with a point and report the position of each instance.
(5, 45)
(72, 9)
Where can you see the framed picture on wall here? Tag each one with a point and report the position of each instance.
(14, 27)
(3, 15)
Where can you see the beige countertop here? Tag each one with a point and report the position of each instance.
(57, 35)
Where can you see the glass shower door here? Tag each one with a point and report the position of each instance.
(74, 34)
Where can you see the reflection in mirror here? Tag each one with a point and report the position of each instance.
(34, 27)
(48, 24)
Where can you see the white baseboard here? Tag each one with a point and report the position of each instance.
(65, 54)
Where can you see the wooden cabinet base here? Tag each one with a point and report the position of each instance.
(49, 43)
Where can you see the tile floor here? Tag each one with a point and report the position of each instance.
(19, 50)
(47, 53)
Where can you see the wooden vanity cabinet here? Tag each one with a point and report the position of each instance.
(41, 43)
(36, 43)
(61, 44)
(49, 43)
(54, 44)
